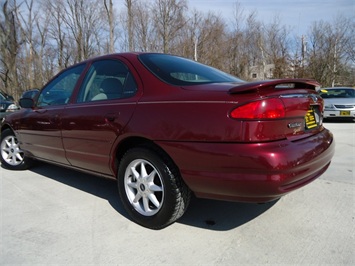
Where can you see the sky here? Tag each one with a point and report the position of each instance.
(297, 14)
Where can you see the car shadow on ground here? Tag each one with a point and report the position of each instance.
(202, 213)
(221, 215)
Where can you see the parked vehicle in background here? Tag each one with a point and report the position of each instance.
(7, 104)
(339, 102)
(165, 127)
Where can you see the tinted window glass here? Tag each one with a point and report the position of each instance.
(181, 71)
(107, 80)
(338, 93)
(59, 90)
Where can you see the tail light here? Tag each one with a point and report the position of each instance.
(271, 108)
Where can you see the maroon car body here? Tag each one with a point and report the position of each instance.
(222, 139)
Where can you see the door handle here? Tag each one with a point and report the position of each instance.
(110, 117)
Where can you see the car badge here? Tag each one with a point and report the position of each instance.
(294, 125)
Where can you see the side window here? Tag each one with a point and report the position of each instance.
(107, 80)
(59, 90)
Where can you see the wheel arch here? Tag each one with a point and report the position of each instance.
(6, 126)
(133, 142)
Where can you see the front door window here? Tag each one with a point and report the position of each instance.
(59, 90)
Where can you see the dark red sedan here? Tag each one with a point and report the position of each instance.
(166, 127)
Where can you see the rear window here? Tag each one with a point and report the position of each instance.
(337, 93)
(181, 71)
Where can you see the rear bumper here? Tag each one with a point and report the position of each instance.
(253, 172)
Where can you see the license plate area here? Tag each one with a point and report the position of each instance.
(344, 113)
(312, 118)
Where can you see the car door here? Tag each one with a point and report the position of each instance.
(105, 103)
(40, 127)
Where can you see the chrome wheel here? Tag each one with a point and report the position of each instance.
(11, 152)
(144, 187)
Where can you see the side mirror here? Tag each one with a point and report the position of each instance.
(26, 103)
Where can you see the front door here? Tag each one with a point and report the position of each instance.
(40, 128)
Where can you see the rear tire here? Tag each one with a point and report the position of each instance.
(151, 188)
(12, 157)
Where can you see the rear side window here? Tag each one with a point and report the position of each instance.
(181, 71)
(107, 80)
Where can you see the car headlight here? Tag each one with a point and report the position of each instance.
(12, 107)
(328, 106)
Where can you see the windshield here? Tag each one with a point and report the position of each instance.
(181, 71)
(337, 93)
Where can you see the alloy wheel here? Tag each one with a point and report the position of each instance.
(11, 152)
(144, 187)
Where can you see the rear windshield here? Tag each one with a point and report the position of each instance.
(181, 71)
(338, 93)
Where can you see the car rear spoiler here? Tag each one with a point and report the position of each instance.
(277, 84)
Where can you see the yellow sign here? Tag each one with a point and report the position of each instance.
(310, 120)
(345, 113)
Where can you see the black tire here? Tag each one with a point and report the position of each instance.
(151, 188)
(12, 157)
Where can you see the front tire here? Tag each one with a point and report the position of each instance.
(151, 188)
(12, 157)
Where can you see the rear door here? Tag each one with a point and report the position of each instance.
(105, 103)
